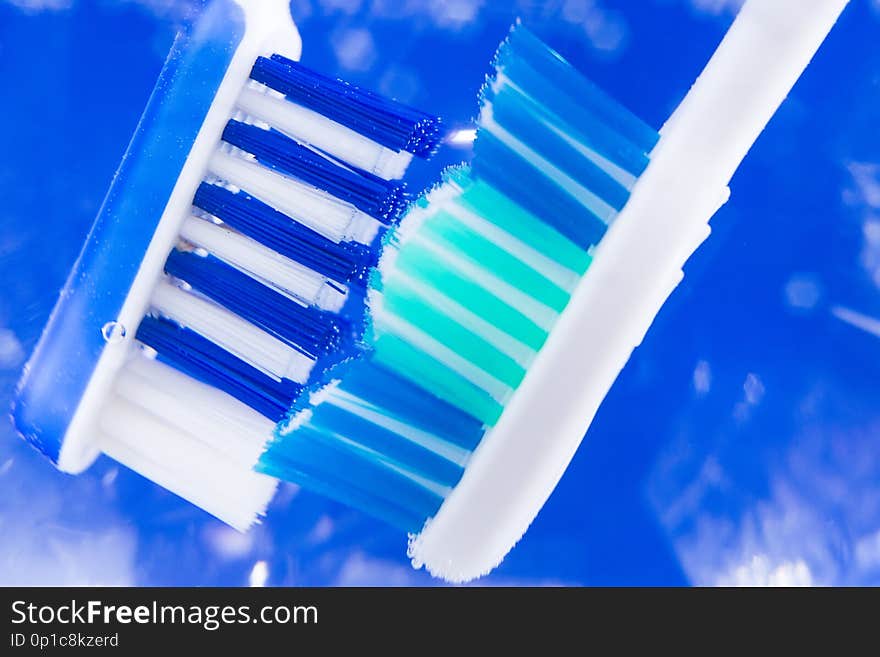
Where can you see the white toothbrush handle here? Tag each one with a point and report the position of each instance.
(761, 57)
(702, 144)
(636, 266)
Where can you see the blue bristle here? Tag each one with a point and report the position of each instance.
(392, 447)
(345, 262)
(502, 168)
(350, 475)
(554, 69)
(577, 121)
(404, 401)
(308, 329)
(385, 121)
(556, 146)
(204, 361)
(516, 114)
(382, 199)
(344, 455)
(344, 493)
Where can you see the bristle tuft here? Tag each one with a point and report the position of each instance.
(387, 122)
(471, 283)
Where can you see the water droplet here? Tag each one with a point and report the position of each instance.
(259, 574)
(113, 332)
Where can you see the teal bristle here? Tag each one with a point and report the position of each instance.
(468, 288)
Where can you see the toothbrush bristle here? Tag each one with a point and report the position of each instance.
(265, 289)
(471, 284)
(309, 329)
(387, 122)
(228, 267)
(203, 360)
(344, 262)
(384, 200)
(543, 73)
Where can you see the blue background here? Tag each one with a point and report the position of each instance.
(741, 444)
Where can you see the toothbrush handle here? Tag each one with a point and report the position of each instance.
(759, 60)
(761, 57)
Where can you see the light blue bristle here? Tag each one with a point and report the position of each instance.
(395, 450)
(520, 116)
(396, 434)
(410, 404)
(468, 289)
(501, 167)
(353, 475)
(522, 46)
(574, 121)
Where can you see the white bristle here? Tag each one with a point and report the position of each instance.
(206, 412)
(336, 220)
(263, 263)
(236, 335)
(322, 133)
(184, 463)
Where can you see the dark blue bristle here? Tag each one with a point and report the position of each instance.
(308, 329)
(204, 361)
(345, 262)
(385, 121)
(504, 169)
(379, 198)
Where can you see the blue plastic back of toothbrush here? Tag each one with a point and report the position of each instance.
(67, 353)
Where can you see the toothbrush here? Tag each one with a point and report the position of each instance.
(227, 267)
(508, 300)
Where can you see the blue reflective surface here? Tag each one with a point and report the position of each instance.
(741, 444)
